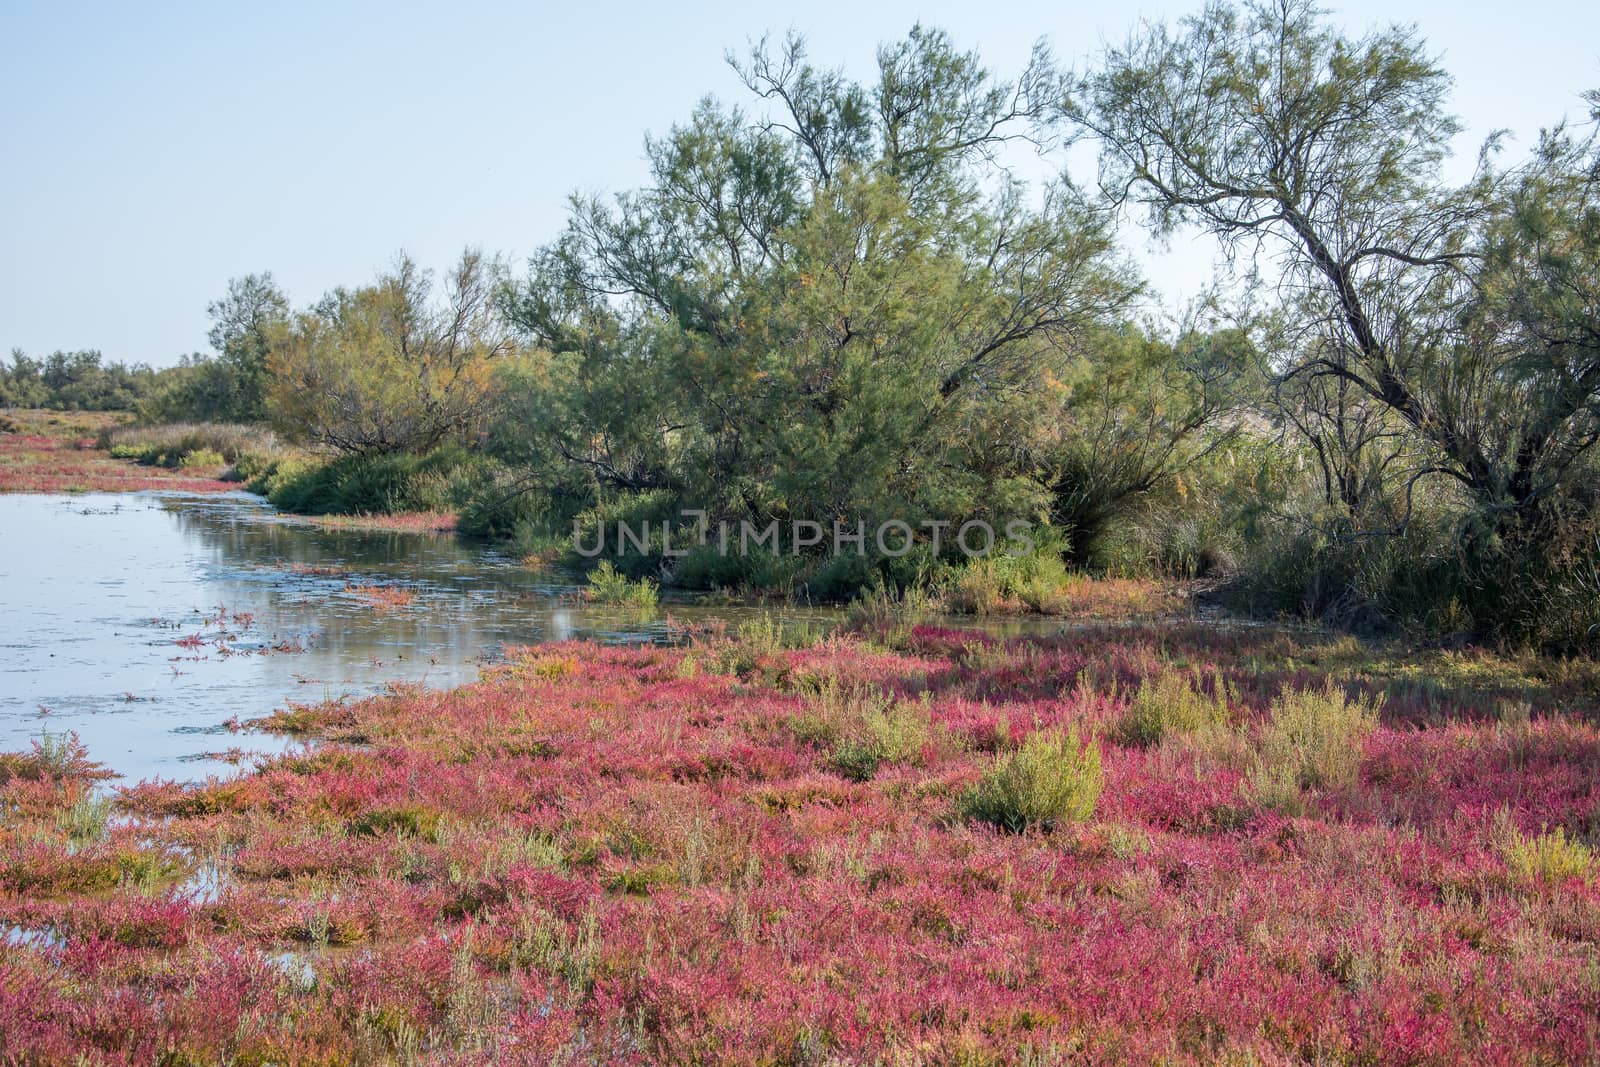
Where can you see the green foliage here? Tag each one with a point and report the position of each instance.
(1312, 740)
(407, 821)
(199, 388)
(1050, 779)
(1131, 415)
(230, 384)
(1557, 606)
(57, 755)
(245, 324)
(1440, 341)
(75, 381)
(596, 530)
(374, 485)
(861, 728)
(847, 306)
(1413, 580)
(501, 506)
(756, 571)
(227, 385)
(1010, 580)
(168, 445)
(816, 324)
(1006, 582)
(607, 585)
(201, 457)
(708, 569)
(85, 820)
(1170, 703)
(1550, 857)
(841, 576)
(387, 369)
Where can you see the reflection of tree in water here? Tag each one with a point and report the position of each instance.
(469, 602)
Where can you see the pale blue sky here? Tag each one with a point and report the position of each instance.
(146, 157)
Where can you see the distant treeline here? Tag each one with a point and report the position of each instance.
(74, 381)
(222, 386)
(199, 387)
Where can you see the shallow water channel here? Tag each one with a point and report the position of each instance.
(145, 622)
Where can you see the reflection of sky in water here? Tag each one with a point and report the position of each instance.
(96, 589)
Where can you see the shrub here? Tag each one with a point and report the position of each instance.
(1549, 597)
(979, 589)
(1312, 741)
(201, 457)
(1003, 583)
(499, 506)
(1050, 779)
(167, 445)
(863, 727)
(1040, 581)
(407, 821)
(377, 485)
(840, 576)
(1549, 857)
(919, 568)
(251, 467)
(753, 647)
(596, 530)
(895, 734)
(607, 585)
(268, 479)
(391, 367)
(1414, 581)
(1170, 704)
(890, 616)
(706, 567)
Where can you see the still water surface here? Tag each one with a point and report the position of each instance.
(97, 591)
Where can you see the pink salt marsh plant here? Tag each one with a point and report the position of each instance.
(734, 854)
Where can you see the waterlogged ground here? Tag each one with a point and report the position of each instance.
(147, 622)
(56, 453)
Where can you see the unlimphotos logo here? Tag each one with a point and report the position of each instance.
(892, 538)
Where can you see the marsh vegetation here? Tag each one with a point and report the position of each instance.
(1276, 743)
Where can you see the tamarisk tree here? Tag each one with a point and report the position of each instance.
(387, 368)
(1465, 315)
(812, 311)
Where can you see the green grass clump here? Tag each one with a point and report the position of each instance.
(888, 615)
(895, 734)
(406, 821)
(1168, 705)
(85, 821)
(1550, 857)
(756, 571)
(862, 727)
(1005, 583)
(167, 445)
(1050, 779)
(1312, 741)
(607, 585)
(201, 457)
